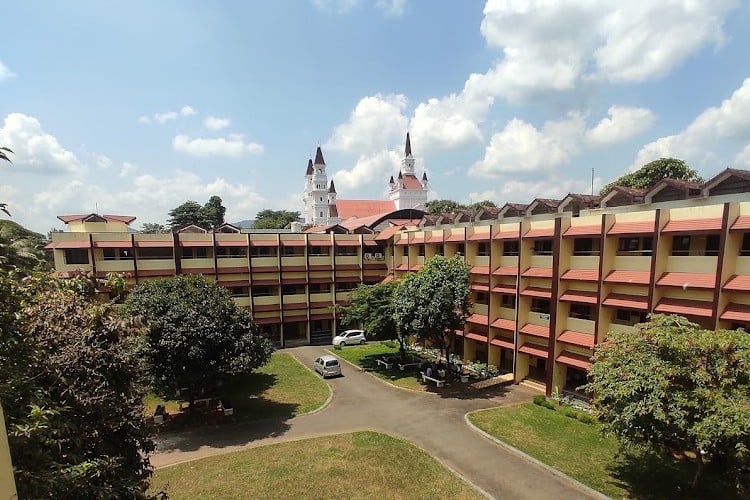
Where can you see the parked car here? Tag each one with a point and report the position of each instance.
(350, 337)
(328, 366)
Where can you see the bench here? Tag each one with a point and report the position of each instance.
(383, 361)
(403, 366)
(438, 382)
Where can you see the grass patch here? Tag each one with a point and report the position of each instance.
(357, 465)
(282, 388)
(365, 356)
(580, 451)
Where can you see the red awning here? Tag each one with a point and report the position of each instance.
(370, 243)
(320, 243)
(479, 319)
(505, 344)
(544, 232)
(506, 289)
(295, 319)
(580, 296)
(435, 238)
(402, 267)
(532, 291)
(506, 271)
(113, 244)
(460, 333)
(265, 282)
(480, 270)
(479, 237)
(64, 245)
(417, 240)
(318, 317)
(577, 338)
(263, 243)
(533, 350)
(581, 275)
(537, 272)
(742, 223)
(231, 243)
(293, 243)
(620, 300)
(480, 288)
(684, 307)
(403, 241)
(476, 336)
(415, 267)
(535, 330)
(196, 243)
(574, 360)
(687, 280)
(738, 284)
(592, 230)
(506, 235)
(267, 321)
(347, 243)
(736, 312)
(295, 281)
(629, 277)
(153, 244)
(455, 238)
(266, 269)
(347, 279)
(693, 226)
(639, 227)
(387, 279)
(232, 284)
(504, 324)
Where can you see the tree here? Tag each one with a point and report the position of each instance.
(213, 211)
(153, 228)
(187, 213)
(274, 219)
(673, 386)
(442, 206)
(653, 172)
(196, 334)
(72, 388)
(372, 306)
(4, 156)
(481, 204)
(433, 303)
(22, 249)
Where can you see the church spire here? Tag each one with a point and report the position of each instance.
(319, 157)
(332, 189)
(407, 150)
(309, 167)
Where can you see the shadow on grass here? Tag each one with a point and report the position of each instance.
(650, 476)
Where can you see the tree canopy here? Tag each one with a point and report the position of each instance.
(372, 306)
(481, 204)
(442, 206)
(72, 387)
(672, 385)
(653, 172)
(153, 228)
(191, 212)
(274, 219)
(196, 334)
(433, 303)
(22, 249)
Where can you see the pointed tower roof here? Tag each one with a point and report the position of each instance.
(407, 150)
(309, 167)
(391, 181)
(332, 189)
(424, 176)
(319, 157)
(400, 175)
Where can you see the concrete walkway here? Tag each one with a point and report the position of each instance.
(362, 402)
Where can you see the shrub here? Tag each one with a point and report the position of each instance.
(337, 347)
(585, 418)
(539, 399)
(570, 412)
(390, 343)
(548, 404)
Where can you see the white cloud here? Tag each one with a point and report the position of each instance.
(709, 136)
(35, 150)
(166, 116)
(103, 161)
(621, 123)
(5, 72)
(391, 8)
(127, 169)
(450, 122)
(521, 147)
(144, 119)
(554, 45)
(336, 6)
(742, 159)
(524, 191)
(376, 123)
(214, 123)
(232, 146)
(163, 118)
(187, 111)
(369, 170)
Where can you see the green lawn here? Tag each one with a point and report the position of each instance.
(359, 465)
(365, 356)
(282, 388)
(580, 451)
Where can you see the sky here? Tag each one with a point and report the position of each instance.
(135, 107)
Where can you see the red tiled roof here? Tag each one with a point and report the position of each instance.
(581, 275)
(537, 272)
(742, 223)
(388, 232)
(359, 209)
(535, 330)
(293, 243)
(415, 267)
(418, 240)
(456, 237)
(476, 336)
(411, 182)
(629, 277)
(532, 291)
(480, 270)
(687, 280)
(346, 243)
(507, 289)
(505, 324)
(61, 245)
(479, 237)
(263, 243)
(684, 307)
(479, 319)
(736, 312)
(506, 271)
(639, 227)
(592, 230)
(581, 296)
(319, 243)
(693, 226)
(577, 338)
(127, 219)
(402, 267)
(738, 283)
(387, 279)
(506, 235)
(198, 243)
(544, 232)
(533, 350)
(113, 244)
(435, 238)
(506, 344)
(460, 333)
(624, 301)
(231, 243)
(574, 360)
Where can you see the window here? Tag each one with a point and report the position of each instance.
(508, 301)
(109, 254)
(346, 251)
(543, 247)
(540, 305)
(628, 317)
(293, 289)
(76, 256)
(405, 252)
(483, 249)
(320, 288)
(263, 251)
(421, 250)
(231, 252)
(345, 287)
(293, 251)
(239, 291)
(481, 298)
(321, 213)
(581, 311)
(461, 249)
(117, 254)
(194, 252)
(319, 251)
(635, 246)
(745, 250)
(510, 247)
(263, 291)
(681, 245)
(712, 244)
(156, 253)
(586, 246)
(441, 250)
(201, 253)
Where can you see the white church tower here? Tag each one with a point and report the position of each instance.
(408, 191)
(318, 198)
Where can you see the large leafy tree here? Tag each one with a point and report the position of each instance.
(191, 212)
(72, 386)
(153, 228)
(372, 306)
(274, 219)
(481, 204)
(653, 172)
(213, 211)
(673, 386)
(197, 336)
(442, 206)
(433, 303)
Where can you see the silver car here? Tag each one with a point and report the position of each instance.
(328, 366)
(350, 337)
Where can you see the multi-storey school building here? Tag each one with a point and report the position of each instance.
(549, 279)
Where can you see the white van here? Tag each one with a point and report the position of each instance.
(328, 366)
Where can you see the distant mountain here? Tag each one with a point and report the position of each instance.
(244, 224)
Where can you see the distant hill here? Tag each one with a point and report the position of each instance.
(244, 224)
(22, 248)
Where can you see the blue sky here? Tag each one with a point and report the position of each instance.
(135, 107)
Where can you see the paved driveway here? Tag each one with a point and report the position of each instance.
(360, 401)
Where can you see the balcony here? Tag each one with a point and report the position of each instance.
(580, 325)
(632, 263)
(691, 264)
(115, 266)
